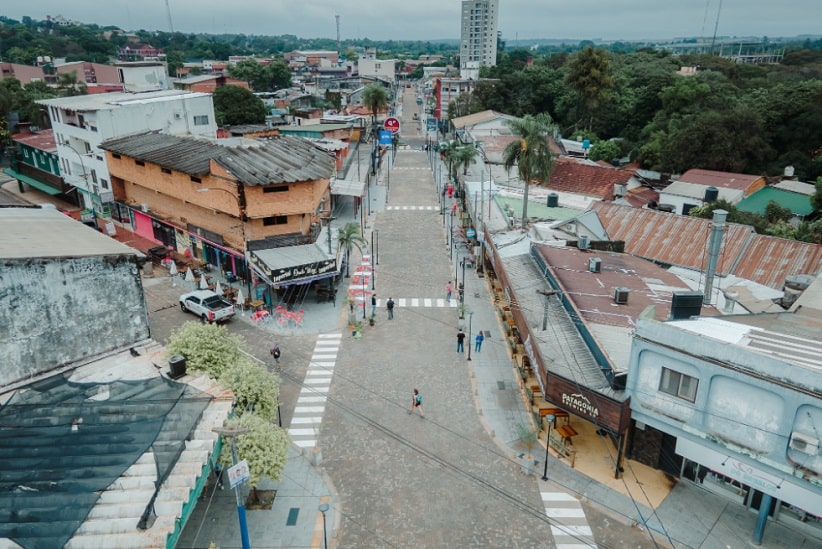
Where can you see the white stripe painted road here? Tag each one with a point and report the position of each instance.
(310, 406)
(426, 302)
(414, 208)
(569, 525)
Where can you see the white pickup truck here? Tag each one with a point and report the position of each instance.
(207, 305)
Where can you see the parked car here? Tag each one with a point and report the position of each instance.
(207, 305)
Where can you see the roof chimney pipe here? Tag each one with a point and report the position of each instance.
(714, 245)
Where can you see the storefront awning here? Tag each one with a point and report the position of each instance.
(345, 187)
(293, 264)
(40, 186)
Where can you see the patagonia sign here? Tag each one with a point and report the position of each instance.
(580, 403)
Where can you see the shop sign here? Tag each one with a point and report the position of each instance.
(581, 404)
(297, 272)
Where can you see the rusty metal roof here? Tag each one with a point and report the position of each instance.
(583, 178)
(280, 159)
(721, 180)
(680, 240)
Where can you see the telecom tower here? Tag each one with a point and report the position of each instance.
(339, 46)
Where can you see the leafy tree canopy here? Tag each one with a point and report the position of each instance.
(234, 105)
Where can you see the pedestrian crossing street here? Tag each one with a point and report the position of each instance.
(308, 414)
(413, 208)
(568, 523)
(427, 302)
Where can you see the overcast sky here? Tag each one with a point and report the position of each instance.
(520, 20)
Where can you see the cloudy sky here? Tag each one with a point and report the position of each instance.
(520, 20)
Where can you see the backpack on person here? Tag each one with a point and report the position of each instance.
(418, 399)
(275, 352)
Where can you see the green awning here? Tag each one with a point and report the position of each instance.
(39, 185)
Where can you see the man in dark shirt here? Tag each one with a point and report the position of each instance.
(390, 305)
(460, 340)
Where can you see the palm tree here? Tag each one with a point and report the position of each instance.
(465, 156)
(349, 237)
(531, 153)
(375, 98)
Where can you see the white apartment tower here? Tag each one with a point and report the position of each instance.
(478, 42)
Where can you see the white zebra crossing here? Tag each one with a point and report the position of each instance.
(425, 302)
(308, 414)
(414, 208)
(569, 525)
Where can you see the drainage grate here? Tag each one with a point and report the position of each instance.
(501, 385)
(292, 516)
(487, 334)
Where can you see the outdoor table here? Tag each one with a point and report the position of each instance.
(566, 432)
(256, 304)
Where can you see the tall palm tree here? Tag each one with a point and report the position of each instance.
(465, 156)
(375, 98)
(350, 237)
(531, 152)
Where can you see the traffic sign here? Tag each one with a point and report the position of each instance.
(385, 137)
(392, 124)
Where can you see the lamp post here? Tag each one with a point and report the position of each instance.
(323, 509)
(231, 434)
(241, 210)
(470, 320)
(377, 247)
(550, 419)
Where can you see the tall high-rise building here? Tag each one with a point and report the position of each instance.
(478, 41)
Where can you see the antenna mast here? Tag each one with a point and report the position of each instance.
(337, 17)
(168, 13)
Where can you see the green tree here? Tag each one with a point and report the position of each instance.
(775, 213)
(349, 237)
(816, 197)
(375, 99)
(604, 150)
(236, 105)
(531, 153)
(465, 156)
(590, 76)
(69, 85)
(212, 350)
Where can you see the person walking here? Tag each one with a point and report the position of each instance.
(374, 304)
(448, 291)
(460, 341)
(390, 305)
(275, 352)
(416, 403)
(450, 190)
(478, 341)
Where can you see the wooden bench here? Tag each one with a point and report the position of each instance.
(566, 432)
(556, 412)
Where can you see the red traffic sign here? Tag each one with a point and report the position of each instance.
(391, 124)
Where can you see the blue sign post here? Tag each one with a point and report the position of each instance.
(385, 137)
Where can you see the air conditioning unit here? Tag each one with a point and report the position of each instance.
(804, 443)
(584, 242)
(621, 295)
(595, 264)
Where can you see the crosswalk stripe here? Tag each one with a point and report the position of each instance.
(415, 302)
(558, 496)
(427, 302)
(413, 208)
(305, 443)
(572, 530)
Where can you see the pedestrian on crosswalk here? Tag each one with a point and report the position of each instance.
(390, 306)
(479, 339)
(448, 291)
(460, 340)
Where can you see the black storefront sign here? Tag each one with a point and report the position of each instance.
(298, 272)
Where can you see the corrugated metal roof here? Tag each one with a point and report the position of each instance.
(83, 475)
(697, 191)
(583, 178)
(720, 180)
(479, 118)
(561, 345)
(190, 156)
(280, 159)
(796, 187)
(680, 240)
(770, 260)
(669, 238)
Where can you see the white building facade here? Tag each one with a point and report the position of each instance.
(478, 39)
(81, 123)
(733, 405)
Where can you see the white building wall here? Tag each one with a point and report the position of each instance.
(183, 114)
(381, 68)
(478, 39)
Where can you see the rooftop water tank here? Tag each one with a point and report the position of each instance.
(553, 200)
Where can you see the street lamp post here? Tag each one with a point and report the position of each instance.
(470, 320)
(323, 509)
(231, 434)
(550, 419)
(241, 210)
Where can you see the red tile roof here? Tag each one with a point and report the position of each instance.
(43, 140)
(680, 240)
(582, 178)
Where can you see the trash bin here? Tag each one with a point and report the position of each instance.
(177, 364)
